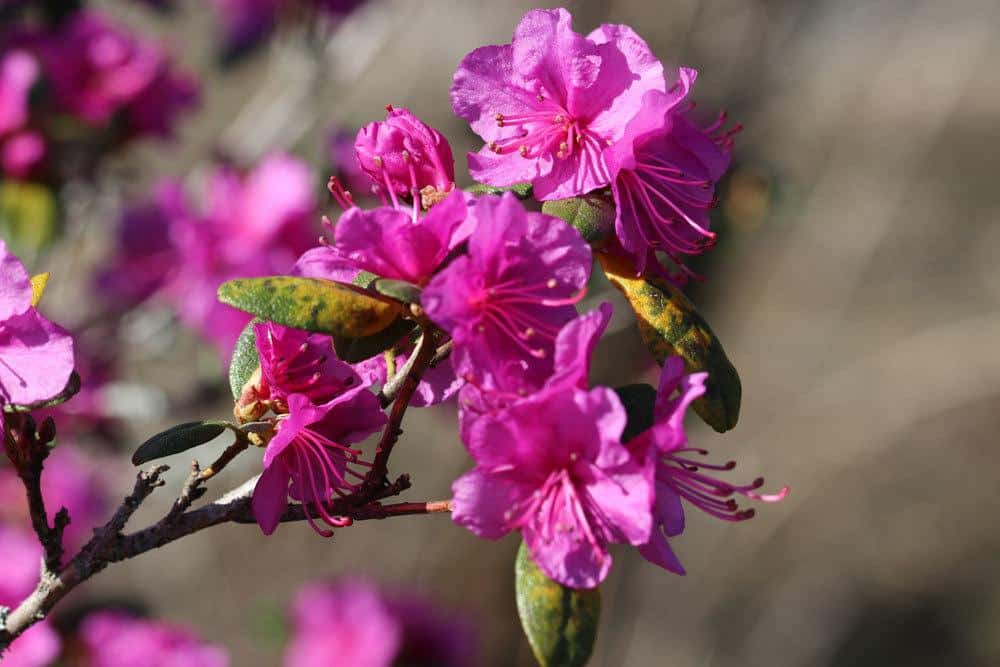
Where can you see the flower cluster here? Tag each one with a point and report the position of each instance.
(351, 622)
(65, 83)
(499, 282)
(248, 224)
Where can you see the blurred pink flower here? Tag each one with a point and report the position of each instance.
(352, 623)
(98, 71)
(21, 148)
(116, 639)
(549, 102)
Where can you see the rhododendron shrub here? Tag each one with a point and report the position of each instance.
(419, 293)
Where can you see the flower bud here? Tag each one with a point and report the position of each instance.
(403, 155)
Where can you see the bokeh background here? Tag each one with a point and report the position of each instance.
(856, 287)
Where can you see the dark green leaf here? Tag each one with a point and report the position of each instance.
(521, 190)
(177, 439)
(591, 215)
(400, 290)
(639, 400)
(669, 324)
(310, 304)
(560, 622)
(353, 350)
(245, 360)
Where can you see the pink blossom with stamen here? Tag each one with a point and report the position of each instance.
(548, 103)
(402, 155)
(310, 452)
(680, 470)
(504, 302)
(664, 172)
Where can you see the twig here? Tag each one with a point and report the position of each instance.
(230, 453)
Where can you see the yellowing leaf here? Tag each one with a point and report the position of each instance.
(311, 304)
(669, 324)
(38, 284)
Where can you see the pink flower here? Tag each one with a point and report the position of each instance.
(98, 70)
(663, 175)
(352, 623)
(548, 103)
(36, 356)
(116, 639)
(22, 153)
(391, 243)
(293, 361)
(39, 645)
(680, 473)
(402, 155)
(310, 451)
(504, 302)
(552, 466)
(18, 73)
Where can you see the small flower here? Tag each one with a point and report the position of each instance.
(310, 450)
(351, 622)
(293, 361)
(663, 176)
(550, 102)
(552, 466)
(504, 302)
(36, 356)
(391, 243)
(117, 639)
(402, 155)
(680, 474)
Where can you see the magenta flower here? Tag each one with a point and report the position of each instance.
(352, 623)
(391, 243)
(680, 474)
(21, 148)
(552, 466)
(504, 302)
(310, 451)
(402, 155)
(116, 639)
(293, 361)
(344, 162)
(98, 71)
(548, 103)
(663, 176)
(36, 356)
(39, 645)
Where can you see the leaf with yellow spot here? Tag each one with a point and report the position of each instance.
(315, 305)
(669, 324)
(560, 622)
(38, 284)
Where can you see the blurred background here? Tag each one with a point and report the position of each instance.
(856, 287)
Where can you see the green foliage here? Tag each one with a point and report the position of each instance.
(353, 350)
(178, 439)
(669, 324)
(560, 622)
(245, 360)
(400, 290)
(315, 305)
(591, 215)
(521, 190)
(639, 401)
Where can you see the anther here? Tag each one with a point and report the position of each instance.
(551, 283)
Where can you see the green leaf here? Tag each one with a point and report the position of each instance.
(364, 279)
(71, 389)
(400, 290)
(177, 439)
(669, 324)
(521, 190)
(639, 401)
(353, 350)
(245, 360)
(315, 305)
(560, 622)
(591, 215)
